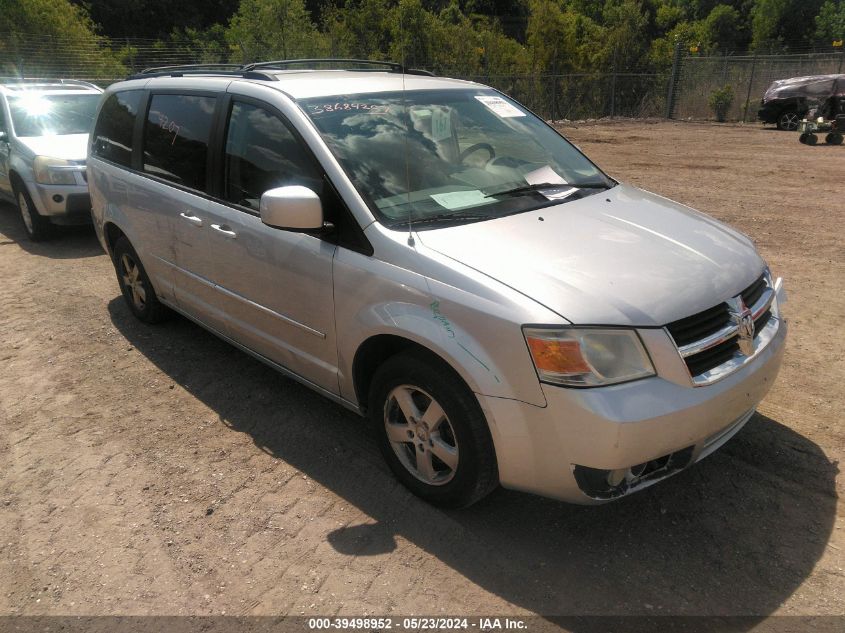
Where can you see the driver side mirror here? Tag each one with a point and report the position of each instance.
(293, 208)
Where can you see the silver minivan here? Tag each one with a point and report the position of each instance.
(429, 253)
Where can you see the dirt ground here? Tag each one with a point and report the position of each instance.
(157, 470)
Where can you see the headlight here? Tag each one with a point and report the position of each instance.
(54, 171)
(587, 357)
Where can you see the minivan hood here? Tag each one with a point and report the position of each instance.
(65, 146)
(620, 257)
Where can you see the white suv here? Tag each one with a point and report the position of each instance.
(44, 130)
(428, 252)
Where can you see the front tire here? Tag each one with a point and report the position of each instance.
(431, 431)
(37, 227)
(135, 284)
(788, 120)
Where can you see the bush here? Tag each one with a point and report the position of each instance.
(720, 101)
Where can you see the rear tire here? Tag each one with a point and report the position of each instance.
(135, 285)
(432, 431)
(812, 139)
(834, 138)
(37, 227)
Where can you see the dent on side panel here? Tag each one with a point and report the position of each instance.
(373, 297)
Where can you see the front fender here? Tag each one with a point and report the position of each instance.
(485, 348)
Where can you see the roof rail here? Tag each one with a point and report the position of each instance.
(254, 70)
(393, 67)
(79, 82)
(159, 69)
(45, 83)
(220, 70)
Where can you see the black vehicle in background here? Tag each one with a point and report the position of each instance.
(787, 101)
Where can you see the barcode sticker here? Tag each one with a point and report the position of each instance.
(500, 107)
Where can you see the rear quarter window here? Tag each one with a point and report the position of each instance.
(113, 130)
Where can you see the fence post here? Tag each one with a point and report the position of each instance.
(750, 83)
(554, 84)
(613, 85)
(673, 81)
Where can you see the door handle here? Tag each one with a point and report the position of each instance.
(190, 217)
(225, 230)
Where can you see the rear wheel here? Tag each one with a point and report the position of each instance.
(37, 227)
(788, 120)
(135, 285)
(812, 139)
(431, 431)
(834, 138)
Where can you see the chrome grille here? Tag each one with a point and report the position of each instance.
(710, 339)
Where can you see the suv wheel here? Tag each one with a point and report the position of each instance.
(37, 227)
(135, 285)
(788, 120)
(432, 432)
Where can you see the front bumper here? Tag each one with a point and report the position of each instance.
(656, 423)
(62, 204)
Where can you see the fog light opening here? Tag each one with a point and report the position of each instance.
(638, 470)
(616, 477)
(58, 198)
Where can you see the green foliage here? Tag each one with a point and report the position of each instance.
(273, 29)
(778, 24)
(830, 22)
(24, 25)
(722, 27)
(467, 37)
(720, 101)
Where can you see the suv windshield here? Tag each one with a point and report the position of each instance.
(49, 115)
(450, 156)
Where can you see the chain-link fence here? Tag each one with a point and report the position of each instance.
(747, 75)
(687, 85)
(553, 96)
(584, 96)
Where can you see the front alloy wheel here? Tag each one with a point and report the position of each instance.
(431, 430)
(421, 435)
(35, 225)
(788, 121)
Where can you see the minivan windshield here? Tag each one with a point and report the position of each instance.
(49, 115)
(433, 157)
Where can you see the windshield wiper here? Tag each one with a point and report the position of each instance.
(442, 218)
(538, 187)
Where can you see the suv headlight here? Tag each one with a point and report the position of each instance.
(587, 357)
(54, 171)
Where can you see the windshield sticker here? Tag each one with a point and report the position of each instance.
(500, 107)
(372, 108)
(454, 200)
(441, 124)
(544, 175)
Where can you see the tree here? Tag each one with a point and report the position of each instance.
(830, 22)
(783, 23)
(273, 29)
(722, 27)
(359, 30)
(156, 18)
(50, 37)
